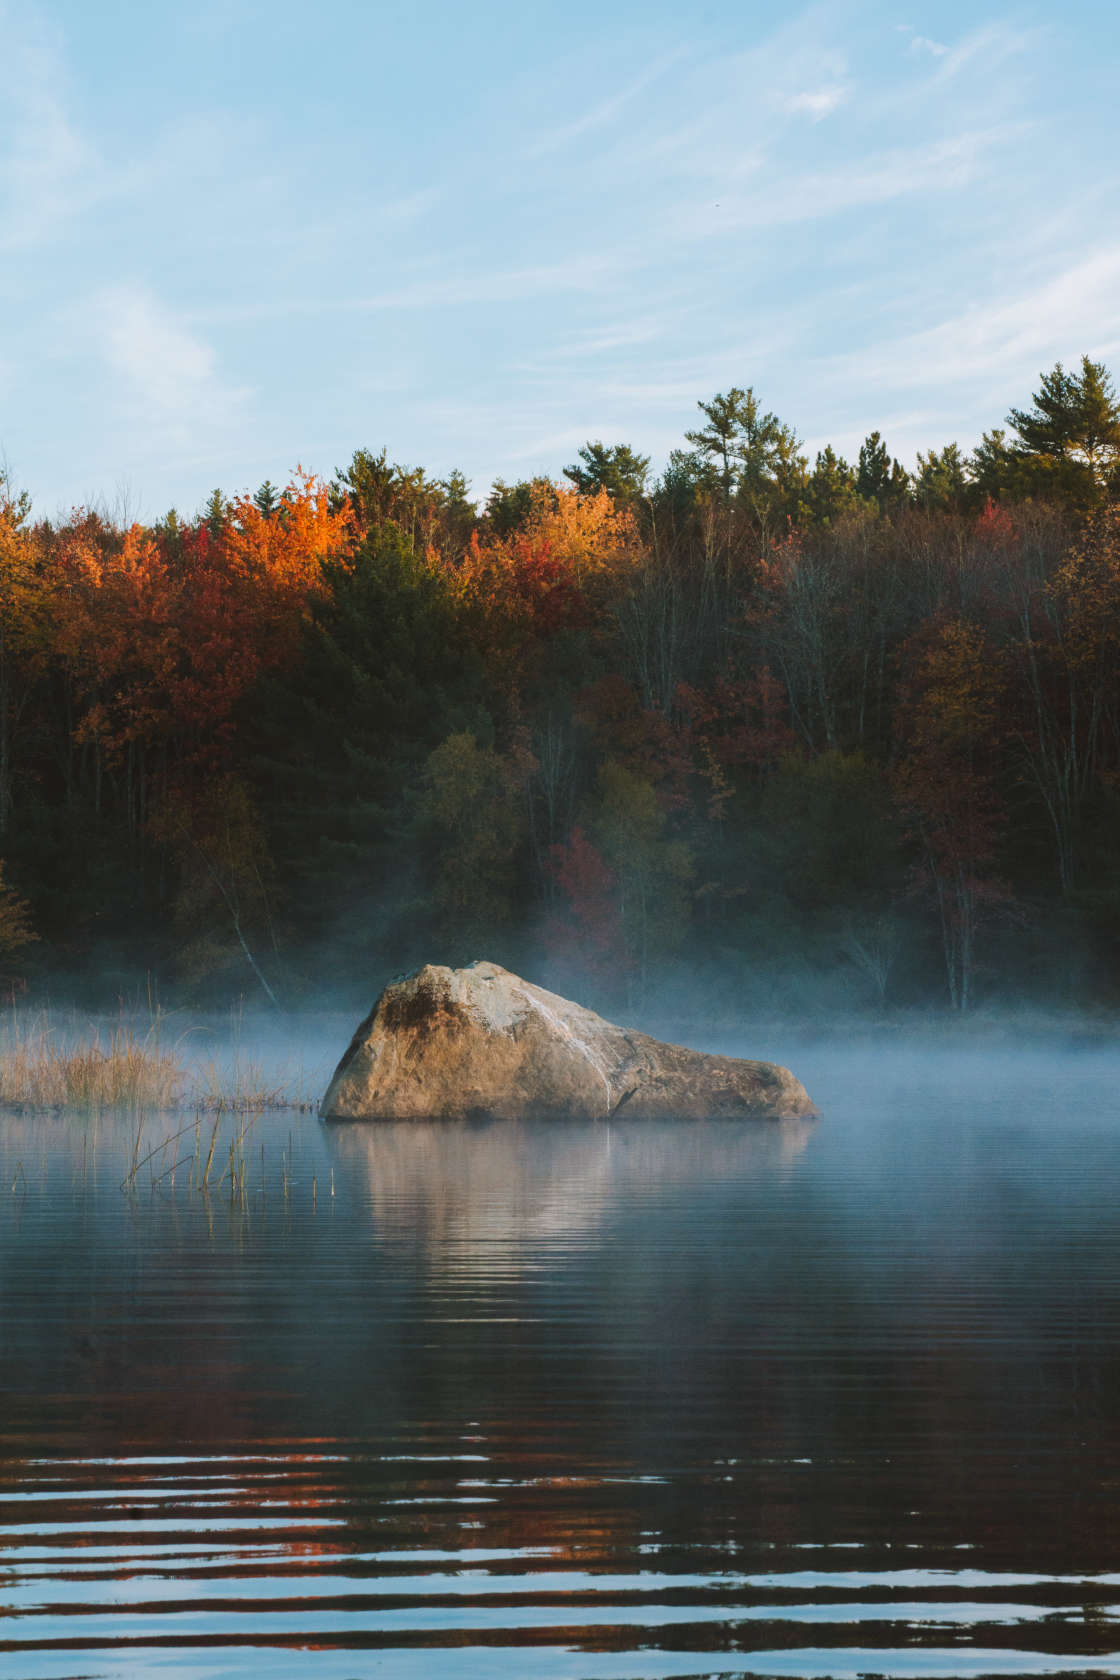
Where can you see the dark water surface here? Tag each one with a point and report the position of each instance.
(574, 1401)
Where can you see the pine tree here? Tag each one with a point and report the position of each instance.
(880, 479)
(614, 468)
(1075, 418)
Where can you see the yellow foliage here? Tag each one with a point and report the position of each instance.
(590, 534)
(1087, 585)
(960, 684)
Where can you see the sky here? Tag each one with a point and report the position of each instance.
(241, 236)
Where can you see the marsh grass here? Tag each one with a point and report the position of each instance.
(241, 1087)
(48, 1064)
(43, 1068)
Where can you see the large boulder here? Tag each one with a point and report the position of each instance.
(461, 1043)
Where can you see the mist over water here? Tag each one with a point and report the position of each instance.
(585, 1400)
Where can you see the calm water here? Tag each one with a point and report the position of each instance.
(575, 1401)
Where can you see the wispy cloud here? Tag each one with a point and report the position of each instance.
(987, 47)
(591, 273)
(784, 197)
(817, 103)
(983, 355)
(162, 374)
(592, 346)
(604, 112)
(48, 171)
(921, 43)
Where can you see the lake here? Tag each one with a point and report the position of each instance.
(574, 1401)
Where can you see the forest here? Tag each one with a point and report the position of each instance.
(759, 732)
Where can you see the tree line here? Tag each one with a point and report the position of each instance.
(795, 734)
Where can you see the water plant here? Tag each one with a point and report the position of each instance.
(139, 1064)
(41, 1067)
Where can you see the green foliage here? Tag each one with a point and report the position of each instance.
(472, 814)
(223, 907)
(751, 452)
(216, 513)
(385, 672)
(15, 505)
(880, 479)
(830, 490)
(313, 732)
(828, 835)
(1075, 418)
(941, 482)
(614, 468)
(267, 498)
(510, 507)
(653, 870)
(1064, 449)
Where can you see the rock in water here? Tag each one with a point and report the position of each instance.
(461, 1043)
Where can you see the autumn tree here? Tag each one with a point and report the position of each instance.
(17, 929)
(1073, 672)
(23, 628)
(337, 737)
(585, 937)
(652, 868)
(472, 807)
(945, 784)
(223, 905)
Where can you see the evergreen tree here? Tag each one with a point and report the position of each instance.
(215, 513)
(385, 675)
(510, 507)
(941, 481)
(746, 447)
(1076, 417)
(830, 491)
(880, 479)
(614, 468)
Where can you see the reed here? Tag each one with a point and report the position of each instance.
(45, 1065)
(40, 1068)
(242, 1088)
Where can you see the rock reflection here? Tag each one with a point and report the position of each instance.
(514, 1187)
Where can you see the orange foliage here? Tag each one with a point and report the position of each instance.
(544, 578)
(277, 558)
(161, 638)
(116, 626)
(588, 535)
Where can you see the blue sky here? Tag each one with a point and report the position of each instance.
(243, 235)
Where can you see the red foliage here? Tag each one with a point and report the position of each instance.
(995, 526)
(590, 936)
(741, 722)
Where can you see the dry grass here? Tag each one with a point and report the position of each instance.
(242, 1088)
(93, 1067)
(39, 1068)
